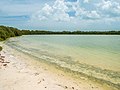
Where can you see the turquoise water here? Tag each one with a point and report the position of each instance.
(97, 56)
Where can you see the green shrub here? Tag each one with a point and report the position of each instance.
(1, 39)
(0, 48)
(7, 32)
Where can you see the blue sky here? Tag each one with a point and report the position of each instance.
(61, 14)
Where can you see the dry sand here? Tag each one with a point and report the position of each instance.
(22, 74)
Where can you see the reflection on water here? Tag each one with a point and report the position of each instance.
(96, 56)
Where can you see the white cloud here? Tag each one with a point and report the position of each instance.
(84, 14)
(93, 15)
(109, 8)
(60, 9)
(47, 9)
(44, 13)
(57, 13)
(60, 5)
(106, 5)
(86, 1)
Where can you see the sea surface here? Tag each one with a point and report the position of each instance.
(96, 56)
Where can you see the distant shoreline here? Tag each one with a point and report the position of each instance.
(39, 32)
(78, 34)
(7, 32)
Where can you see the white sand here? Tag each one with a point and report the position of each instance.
(22, 74)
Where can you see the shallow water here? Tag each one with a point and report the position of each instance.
(97, 55)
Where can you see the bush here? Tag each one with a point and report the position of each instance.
(0, 48)
(6, 32)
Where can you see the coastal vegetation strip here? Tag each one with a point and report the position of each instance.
(43, 32)
(6, 32)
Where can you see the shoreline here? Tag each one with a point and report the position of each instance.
(25, 73)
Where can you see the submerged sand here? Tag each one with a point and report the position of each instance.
(24, 73)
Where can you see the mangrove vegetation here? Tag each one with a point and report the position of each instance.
(43, 32)
(6, 32)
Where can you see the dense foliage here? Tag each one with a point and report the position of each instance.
(6, 32)
(0, 48)
(38, 32)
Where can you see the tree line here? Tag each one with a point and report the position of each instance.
(39, 32)
(6, 32)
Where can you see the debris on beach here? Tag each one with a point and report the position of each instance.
(3, 62)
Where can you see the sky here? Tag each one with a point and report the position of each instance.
(59, 15)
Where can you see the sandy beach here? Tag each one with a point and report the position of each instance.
(59, 44)
(22, 73)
